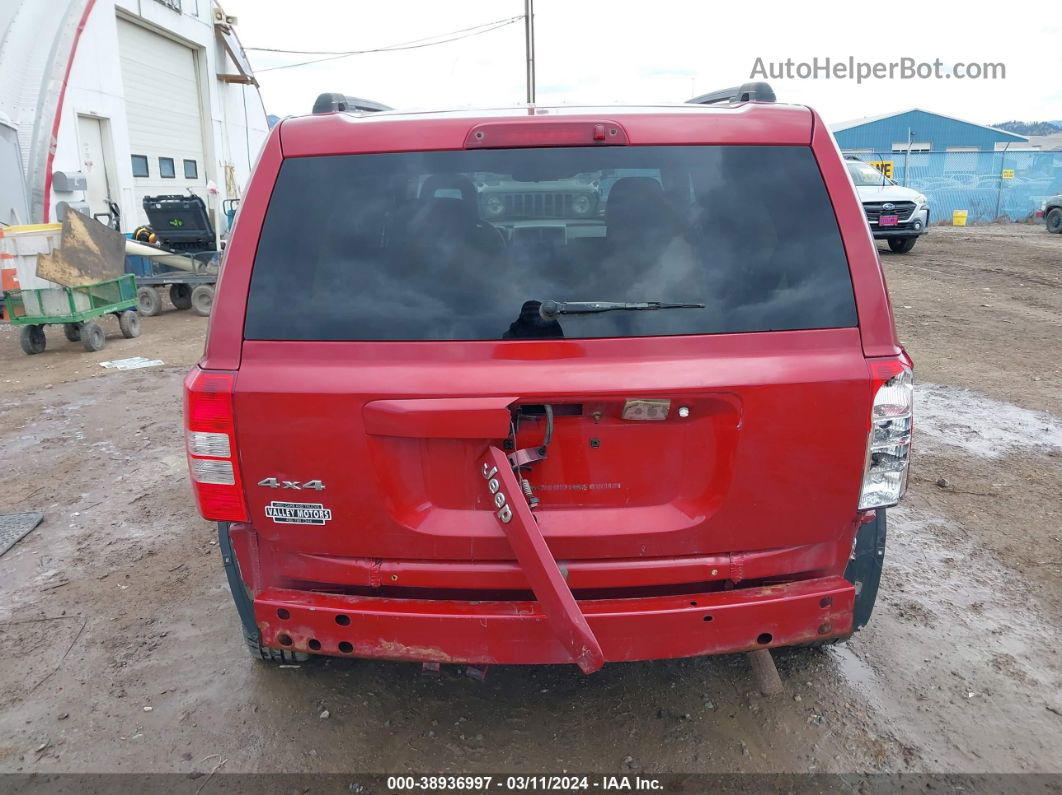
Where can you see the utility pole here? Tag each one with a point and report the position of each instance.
(907, 155)
(529, 46)
(999, 191)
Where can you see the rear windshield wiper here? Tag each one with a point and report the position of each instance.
(549, 310)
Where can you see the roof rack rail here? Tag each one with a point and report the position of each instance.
(339, 103)
(746, 92)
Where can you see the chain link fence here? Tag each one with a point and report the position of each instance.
(989, 186)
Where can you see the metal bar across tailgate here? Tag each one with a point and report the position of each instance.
(552, 592)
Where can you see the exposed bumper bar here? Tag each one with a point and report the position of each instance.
(519, 632)
(554, 596)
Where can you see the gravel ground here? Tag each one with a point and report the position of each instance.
(122, 651)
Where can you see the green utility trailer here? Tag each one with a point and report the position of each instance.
(76, 310)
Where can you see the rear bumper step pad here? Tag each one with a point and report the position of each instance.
(521, 633)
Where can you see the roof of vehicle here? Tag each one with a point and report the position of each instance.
(523, 110)
(750, 123)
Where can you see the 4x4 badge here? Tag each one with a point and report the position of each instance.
(274, 483)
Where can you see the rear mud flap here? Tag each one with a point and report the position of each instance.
(540, 567)
(244, 606)
(864, 569)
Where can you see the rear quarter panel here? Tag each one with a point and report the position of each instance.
(225, 332)
(876, 322)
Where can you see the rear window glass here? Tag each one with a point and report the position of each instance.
(466, 245)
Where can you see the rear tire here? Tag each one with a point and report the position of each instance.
(32, 340)
(129, 323)
(901, 245)
(92, 336)
(181, 296)
(149, 302)
(265, 654)
(203, 300)
(72, 331)
(1054, 221)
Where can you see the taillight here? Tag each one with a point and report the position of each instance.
(210, 441)
(889, 443)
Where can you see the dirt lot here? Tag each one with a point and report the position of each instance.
(122, 650)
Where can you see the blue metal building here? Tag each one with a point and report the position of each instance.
(988, 173)
(924, 131)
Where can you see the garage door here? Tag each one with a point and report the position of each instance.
(161, 86)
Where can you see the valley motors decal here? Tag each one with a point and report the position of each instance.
(298, 512)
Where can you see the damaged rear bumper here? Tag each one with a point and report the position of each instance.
(515, 632)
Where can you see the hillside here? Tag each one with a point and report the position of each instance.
(1030, 127)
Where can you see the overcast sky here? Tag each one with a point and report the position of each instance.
(657, 51)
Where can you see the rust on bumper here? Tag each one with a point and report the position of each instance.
(511, 632)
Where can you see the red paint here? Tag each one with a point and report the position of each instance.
(341, 133)
(539, 566)
(225, 337)
(745, 510)
(582, 575)
(876, 321)
(54, 142)
(519, 632)
(448, 418)
(415, 498)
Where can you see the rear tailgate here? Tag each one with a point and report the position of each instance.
(755, 433)
(770, 454)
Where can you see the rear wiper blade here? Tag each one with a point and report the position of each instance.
(549, 310)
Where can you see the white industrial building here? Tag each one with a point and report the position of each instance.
(103, 102)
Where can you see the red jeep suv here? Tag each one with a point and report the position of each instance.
(550, 385)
